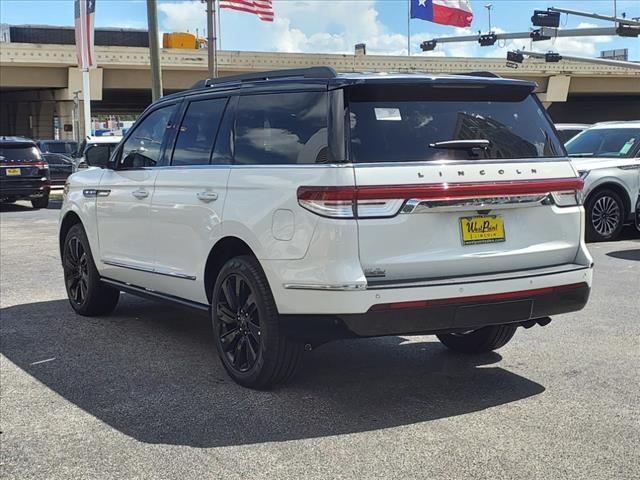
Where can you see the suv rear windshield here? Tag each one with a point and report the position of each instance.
(19, 153)
(605, 142)
(398, 123)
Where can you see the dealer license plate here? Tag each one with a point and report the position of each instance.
(482, 229)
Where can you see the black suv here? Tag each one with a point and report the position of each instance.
(24, 174)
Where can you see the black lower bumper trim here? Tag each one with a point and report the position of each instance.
(435, 319)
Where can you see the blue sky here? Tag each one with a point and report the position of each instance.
(334, 26)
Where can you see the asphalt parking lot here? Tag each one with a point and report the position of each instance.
(141, 394)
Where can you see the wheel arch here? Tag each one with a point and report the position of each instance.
(225, 249)
(70, 219)
(617, 188)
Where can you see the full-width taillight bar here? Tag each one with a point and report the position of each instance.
(387, 200)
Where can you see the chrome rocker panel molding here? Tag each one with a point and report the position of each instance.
(157, 271)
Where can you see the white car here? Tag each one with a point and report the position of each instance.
(607, 156)
(302, 206)
(566, 131)
(96, 151)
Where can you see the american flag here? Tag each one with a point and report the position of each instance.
(84, 13)
(262, 8)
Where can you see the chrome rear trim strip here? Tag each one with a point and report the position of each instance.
(326, 287)
(157, 271)
(492, 277)
(415, 205)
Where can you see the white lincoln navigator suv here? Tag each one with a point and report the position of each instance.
(301, 206)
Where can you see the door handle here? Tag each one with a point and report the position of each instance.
(207, 196)
(140, 193)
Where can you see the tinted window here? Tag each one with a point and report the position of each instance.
(56, 159)
(19, 153)
(198, 132)
(285, 128)
(59, 147)
(605, 142)
(143, 147)
(399, 124)
(566, 135)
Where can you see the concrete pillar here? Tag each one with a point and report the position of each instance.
(64, 111)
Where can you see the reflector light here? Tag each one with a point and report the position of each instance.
(441, 302)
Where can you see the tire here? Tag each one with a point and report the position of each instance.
(605, 216)
(637, 215)
(246, 327)
(483, 340)
(87, 295)
(42, 202)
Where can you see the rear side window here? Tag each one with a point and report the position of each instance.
(605, 142)
(398, 124)
(198, 132)
(144, 146)
(283, 128)
(19, 153)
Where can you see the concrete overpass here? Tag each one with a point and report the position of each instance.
(38, 81)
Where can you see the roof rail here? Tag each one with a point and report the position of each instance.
(310, 72)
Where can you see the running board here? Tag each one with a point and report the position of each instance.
(153, 295)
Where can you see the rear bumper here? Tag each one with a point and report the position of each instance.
(442, 315)
(24, 188)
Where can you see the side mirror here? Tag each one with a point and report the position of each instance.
(97, 156)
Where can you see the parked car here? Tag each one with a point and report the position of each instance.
(302, 206)
(607, 156)
(62, 147)
(566, 131)
(95, 151)
(60, 167)
(24, 175)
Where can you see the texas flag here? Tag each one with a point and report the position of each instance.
(447, 12)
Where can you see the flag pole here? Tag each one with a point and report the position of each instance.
(409, 27)
(86, 100)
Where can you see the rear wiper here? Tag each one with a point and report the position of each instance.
(462, 144)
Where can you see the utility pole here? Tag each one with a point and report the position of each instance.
(154, 50)
(212, 46)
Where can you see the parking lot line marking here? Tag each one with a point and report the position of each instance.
(43, 361)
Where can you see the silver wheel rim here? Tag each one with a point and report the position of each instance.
(605, 216)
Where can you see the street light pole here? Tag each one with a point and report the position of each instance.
(154, 50)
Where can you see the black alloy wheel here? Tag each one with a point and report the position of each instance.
(76, 270)
(88, 295)
(239, 332)
(251, 344)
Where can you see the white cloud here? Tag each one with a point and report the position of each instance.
(299, 26)
(314, 27)
(183, 16)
